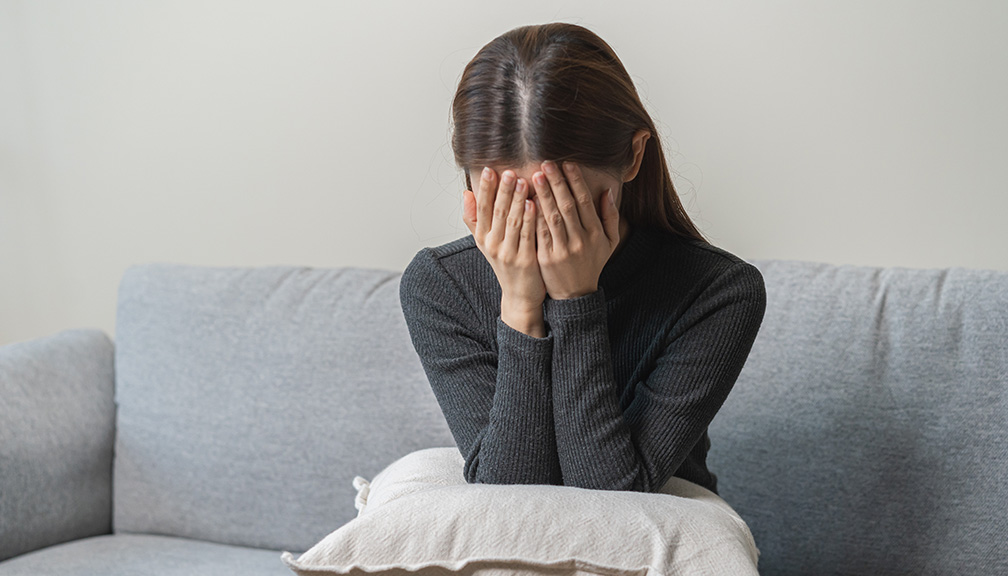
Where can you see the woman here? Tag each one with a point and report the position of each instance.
(584, 334)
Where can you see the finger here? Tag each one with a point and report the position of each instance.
(516, 216)
(485, 202)
(564, 199)
(527, 245)
(501, 206)
(582, 196)
(469, 211)
(610, 217)
(544, 240)
(550, 212)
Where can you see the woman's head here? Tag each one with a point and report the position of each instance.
(559, 92)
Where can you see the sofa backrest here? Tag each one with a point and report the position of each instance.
(868, 431)
(866, 434)
(249, 398)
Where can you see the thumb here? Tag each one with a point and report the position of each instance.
(610, 216)
(469, 210)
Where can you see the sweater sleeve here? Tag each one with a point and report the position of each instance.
(495, 395)
(603, 447)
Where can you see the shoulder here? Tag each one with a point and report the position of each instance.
(709, 270)
(733, 282)
(450, 272)
(438, 262)
(726, 264)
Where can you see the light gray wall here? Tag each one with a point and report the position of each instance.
(255, 132)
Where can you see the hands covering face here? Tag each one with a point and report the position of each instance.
(556, 245)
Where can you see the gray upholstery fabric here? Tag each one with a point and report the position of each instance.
(56, 432)
(868, 433)
(139, 555)
(249, 398)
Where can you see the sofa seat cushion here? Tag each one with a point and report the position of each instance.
(137, 554)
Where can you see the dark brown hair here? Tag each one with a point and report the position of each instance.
(559, 92)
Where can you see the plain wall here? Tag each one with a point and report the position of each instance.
(255, 132)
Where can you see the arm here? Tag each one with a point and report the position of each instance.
(493, 386)
(602, 447)
(57, 425)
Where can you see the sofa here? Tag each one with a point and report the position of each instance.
(231, 417)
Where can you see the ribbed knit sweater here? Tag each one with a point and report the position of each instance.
(620, 392)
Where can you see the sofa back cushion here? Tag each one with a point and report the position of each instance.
(249, 398)
(868, 431)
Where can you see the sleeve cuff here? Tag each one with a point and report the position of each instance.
(587, 305)
(516, 340)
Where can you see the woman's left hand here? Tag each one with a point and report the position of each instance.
(573, 243)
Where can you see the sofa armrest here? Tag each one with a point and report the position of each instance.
(57, 427)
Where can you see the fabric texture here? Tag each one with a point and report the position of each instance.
(419, 515)
(248, 398)
(620, 392)
(868, 432)
(57, 423)
(140, 555)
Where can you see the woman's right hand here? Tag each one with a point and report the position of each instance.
(502, 220)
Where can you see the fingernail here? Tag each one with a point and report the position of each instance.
(528, 205)
(568, 166)
(549, 167)
(539, 178)
(612, 198)
(486, 173)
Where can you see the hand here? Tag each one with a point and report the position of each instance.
(574, 244)
(502, 221)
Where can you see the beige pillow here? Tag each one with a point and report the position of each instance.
(419, 516)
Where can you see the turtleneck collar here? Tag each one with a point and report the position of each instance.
(630, 258)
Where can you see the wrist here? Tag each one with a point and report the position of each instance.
(524, 317)
(573, 293)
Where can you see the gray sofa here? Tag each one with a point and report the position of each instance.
(867, 433)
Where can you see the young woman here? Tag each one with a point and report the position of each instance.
(584, 334)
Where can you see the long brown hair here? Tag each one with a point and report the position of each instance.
(559, 92)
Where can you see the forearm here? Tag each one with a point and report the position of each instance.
(518, 445)
(594, 445)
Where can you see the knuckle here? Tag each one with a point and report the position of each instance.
(568, 206)
(556, 218)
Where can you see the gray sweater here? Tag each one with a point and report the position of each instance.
(620, 392)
